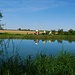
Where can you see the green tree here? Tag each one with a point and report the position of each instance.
(47, 32)
(70, 31)
(60, 31)
(53, 31)
(1, 15)
(65, 33)
(19, 29)
(1, 25)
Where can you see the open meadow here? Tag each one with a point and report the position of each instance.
(16, 32)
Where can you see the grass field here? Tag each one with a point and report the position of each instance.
(16, 32)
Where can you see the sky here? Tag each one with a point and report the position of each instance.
(38, 14)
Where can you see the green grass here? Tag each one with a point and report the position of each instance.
(31, 36)
(41, 64)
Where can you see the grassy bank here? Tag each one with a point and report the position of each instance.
(62, 64)
(31, 36)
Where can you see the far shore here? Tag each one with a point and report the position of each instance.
(16, 34)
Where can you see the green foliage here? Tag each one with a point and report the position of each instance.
(65, 33)
(60, 31)
(47, 32)
(71, 32)
(1, 15)
(42, 64)
(43, 33)
(1, 25)
(53, 31)
(19, 29)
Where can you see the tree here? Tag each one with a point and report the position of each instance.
(19, 29)
(70, 31)
(47, 32)
(1, 25)
(53, 31)
(1, 15)
(60, 31)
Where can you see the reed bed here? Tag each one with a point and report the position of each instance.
(41, 64)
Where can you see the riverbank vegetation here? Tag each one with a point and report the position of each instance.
(32, 36)
(41, 64)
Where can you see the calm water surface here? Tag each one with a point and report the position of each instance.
(31, 47)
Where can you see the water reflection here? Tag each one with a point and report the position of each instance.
(8, 47)
(36, 41)
(70, 41)
(52, 40)
(60, 41)
(44, 41)
(4, 45)
(24, 47)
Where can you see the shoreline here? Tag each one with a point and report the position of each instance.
(39, 37)
(17, 34)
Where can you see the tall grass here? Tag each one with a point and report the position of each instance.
(41, 64)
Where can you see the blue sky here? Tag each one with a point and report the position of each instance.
(38, 14)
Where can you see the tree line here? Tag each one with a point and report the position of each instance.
(62, 32)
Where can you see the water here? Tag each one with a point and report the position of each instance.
(25, 47)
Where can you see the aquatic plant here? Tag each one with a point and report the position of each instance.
(41, 64)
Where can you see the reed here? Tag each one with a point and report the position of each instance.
(41, 64)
